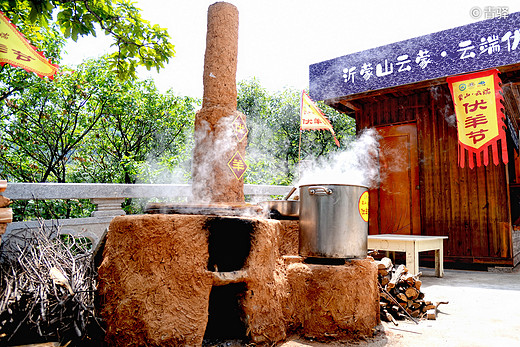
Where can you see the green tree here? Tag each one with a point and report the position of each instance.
(44, 123)
(136, 41)
(89, 126)
(274, 133)
(14, 79)
(144, 131)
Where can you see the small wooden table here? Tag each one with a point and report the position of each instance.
(412, 245)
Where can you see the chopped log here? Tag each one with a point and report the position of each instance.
(6, 215)
(417, 284)
(401, 269)
(416, 313)
(4, 202)
(411, 293)
(386, 296)
(402, 297)
(3, 185)
(409, 279)
(384, 280)
(431, 314)
(391, 318)
(429, 307)
(382, 272)
(416, 305)
(401, 316)
(385, 263)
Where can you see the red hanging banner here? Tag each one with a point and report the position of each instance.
(480, 120)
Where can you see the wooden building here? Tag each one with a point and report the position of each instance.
(423, 190)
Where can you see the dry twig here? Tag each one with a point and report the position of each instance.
(47, 288)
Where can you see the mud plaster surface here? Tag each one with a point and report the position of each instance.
(289, 237)
(215, 140)
(220, 59)
(333, 302)
(153, 281)
(155, 286)
(215, 145)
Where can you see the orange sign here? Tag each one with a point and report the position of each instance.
(239, 126)
(311, 117)
(363, 206)
(237, 165)
(480, 121)
(15, 50)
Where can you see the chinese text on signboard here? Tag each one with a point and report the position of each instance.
(481, 45)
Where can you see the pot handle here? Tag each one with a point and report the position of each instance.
(319, 190)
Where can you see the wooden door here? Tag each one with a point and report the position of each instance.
(395, 203)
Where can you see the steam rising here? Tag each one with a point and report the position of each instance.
(357, 165)
(440, 97)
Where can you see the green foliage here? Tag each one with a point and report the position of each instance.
(75, 245)
(144, 133)
(14, 79)
(274, 133)
(45, 122)
(26, 210)
(136, 41)
(89, 126)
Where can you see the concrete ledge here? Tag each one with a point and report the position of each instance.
(44, 191)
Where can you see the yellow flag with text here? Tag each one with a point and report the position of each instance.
(15, 50)
(312, 118)
(480, 121)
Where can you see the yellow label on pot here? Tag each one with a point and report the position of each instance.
(363, 206)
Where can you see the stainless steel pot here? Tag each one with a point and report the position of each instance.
(333, 221)
(282, 208)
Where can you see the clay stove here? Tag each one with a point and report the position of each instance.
(178, 278)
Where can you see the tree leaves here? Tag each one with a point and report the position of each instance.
(136, 41)
(273, 121)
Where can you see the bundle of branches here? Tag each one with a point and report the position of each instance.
(47, 285)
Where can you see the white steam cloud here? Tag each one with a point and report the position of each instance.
(357, 165)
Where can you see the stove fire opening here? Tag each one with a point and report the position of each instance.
(229, 243)
(226, 319)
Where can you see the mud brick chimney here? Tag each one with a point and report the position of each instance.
(215, 140)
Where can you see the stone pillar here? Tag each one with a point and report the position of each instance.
(215, 140)
(107, 207)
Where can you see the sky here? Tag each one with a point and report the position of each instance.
(279, 39)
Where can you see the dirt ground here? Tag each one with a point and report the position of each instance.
(483, 310)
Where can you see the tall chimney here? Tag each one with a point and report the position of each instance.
(217, 147)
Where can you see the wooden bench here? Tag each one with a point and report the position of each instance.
(412, 245)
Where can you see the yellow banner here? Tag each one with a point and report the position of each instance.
(480, 121)
(15, 50)
(476, 111)
(311, 117)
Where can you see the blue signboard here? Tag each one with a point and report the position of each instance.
(477, 46)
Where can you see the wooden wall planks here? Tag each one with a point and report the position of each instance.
(471, 206)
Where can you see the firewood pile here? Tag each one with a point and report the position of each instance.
(400, 294)
(47, 286)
